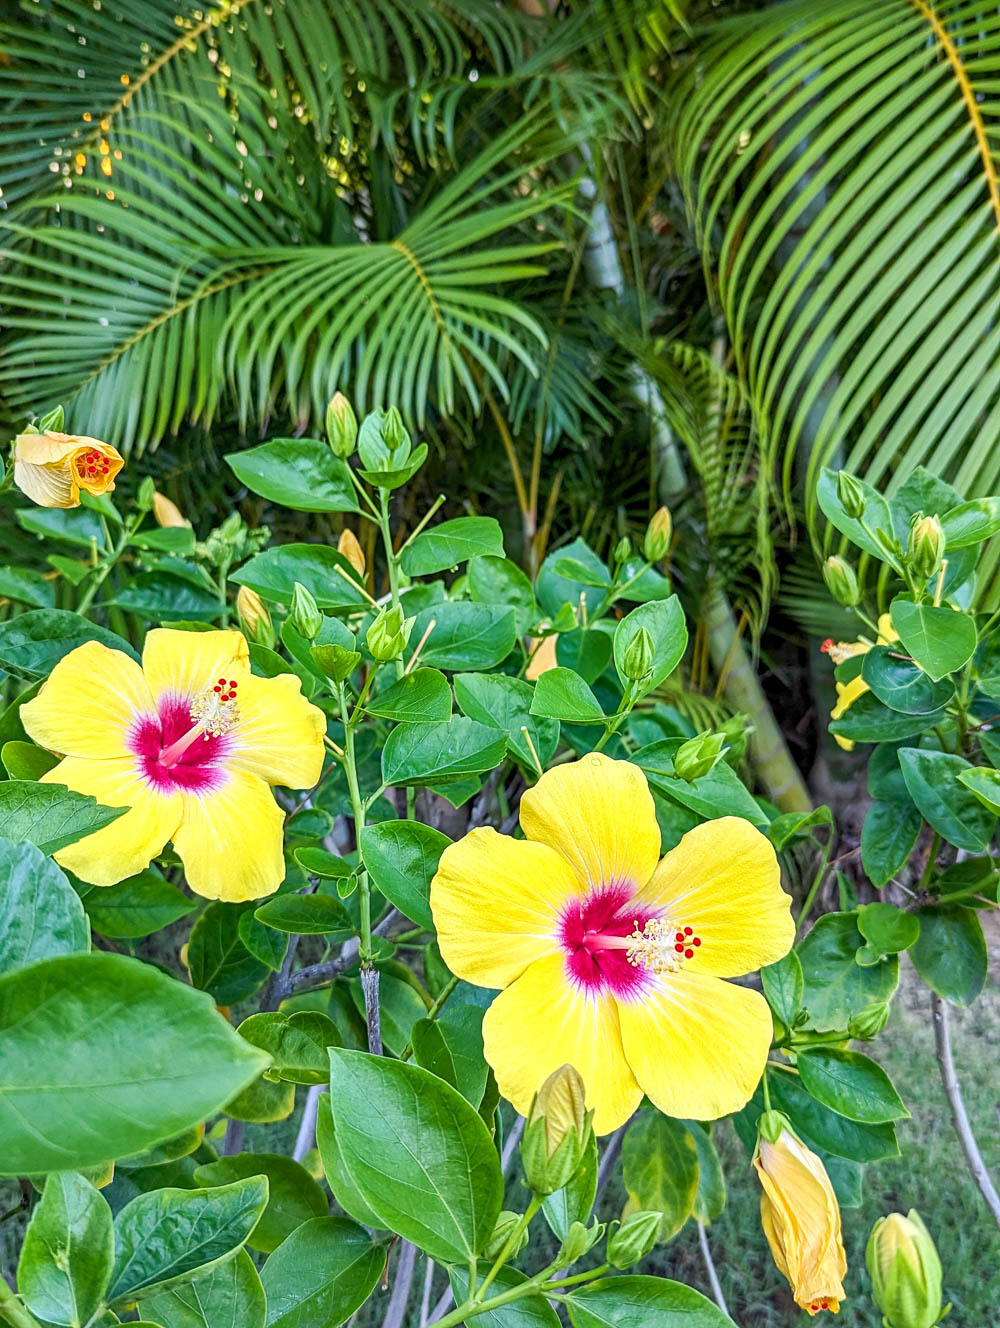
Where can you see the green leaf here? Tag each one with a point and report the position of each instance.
(293, 1197)
(902, 685)
(33, 643)
(23, 760)
(420, 697)
(498, 581)
(171, 539)
(664, 621)
(322, 863)
(950, 954)
(419, 1154)
(586, 651)
(464, 635)
(719, 793)
(49, 815)
(877, 514)
(887, 929)
(941, 640)
(217, 959)
(555, 590)
(165, 1237)
(642, 1302)
(851, 1084)
(572, 569)
(323, 1272)
(156, 1052)
(828, 1130)
(562, 694)
(868, 720)
(402, 857)
(710, 1201)
(660, 1170)
(137, 906)
(274, 572)
(971, 523)
(166, 598)
(946, 805)
(229, 1295)
(983, 783)
(784, 987)
(451, 1047)
(888, 837)
(452, 542)
(73, 525)
(262, 942)
(300, 473)
(20, 583)
(836, 986)
(309, 915)
(505, 703)
(419, 753)
(297, 1043)
(530, 1311)
(41, 915)
(344, 1190)
(68, 1251)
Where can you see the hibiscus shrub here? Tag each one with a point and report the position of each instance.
(442, 872)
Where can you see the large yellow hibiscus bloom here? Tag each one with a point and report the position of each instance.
(190, 743)
(610, 959)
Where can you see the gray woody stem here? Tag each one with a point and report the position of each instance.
(949, 1077)
(713, 1277)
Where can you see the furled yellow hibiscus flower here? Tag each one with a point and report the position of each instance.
(610, 960)
(800, 1216)
(52, 468)
(190, 743)
(848, 692)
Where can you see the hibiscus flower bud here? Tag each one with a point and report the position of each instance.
(869, 1022)
(800, 1216)
(52, 468)
(851, 495)
(388, 634)
(167, 513)
(925, 550)
(145, 494)
(337, 662)
(304, 613)
(637, 661)
(341, 426)
(634, 1239)
(698, 756)
(254, 617)
(841, 581)
(622, 550)
(905, 1271)
(579, 1240)
(502, 1232)
(557, 1132)
(393, 430)
(349, 548)
(657, 539)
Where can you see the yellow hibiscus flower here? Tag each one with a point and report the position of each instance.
(848, 692)
(610, 959)
(190, 743)
(52, 468)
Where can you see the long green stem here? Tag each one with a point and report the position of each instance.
(369, 973)
(509, 1246)
(12, 1311)
(103, 568)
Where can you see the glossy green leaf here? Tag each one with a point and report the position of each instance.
(33, 643)
(554, 589)
(950, 954)
(660, 1169)
(309, 915)
(217, 959)
(451, 1047)
(402, 857)
(887, 929)
(902, 685)
(68, 1251)
(322, 863)
(972, 522)
(323, 1272)
(452, 542)
(888, 837)
(300, 473)
(137, 906)
(851, 1084)
(297, 1043)
(984, 784)
(23, 760)
(530, 1311)
(338, 1178)
(229, 1295)
(418, 753)
(420, 697)
(784, 987)
(78, 526)
(166, 598)
(50, 815)
(293, 1197)
(836, 986)
(41, 913)
(585, 651)
(274, 572)
(939, 639)
(828, 1130)
(868, 720)
(27, 587)
(562, 694)
(464, 635)
(710, 1201)
(665, 622)
(642, 1302)
(500, 581)
(947, 805)
(156, 1050)
(506, 704)
(877, 515)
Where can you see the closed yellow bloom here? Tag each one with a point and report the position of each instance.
(349, 548)
(52, 468)
(610, 959)
(848, 692)
(801, 1220)
(190, 743)
(167, 513)
(254, 616)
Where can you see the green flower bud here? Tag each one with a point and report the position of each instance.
(905, 1271)
(925, 550)
(393, 430)
(341, 426)
(622, 550)
(851, 495)
(657, 538)
(304, 613)
(557, 1132)
(869, 1022)
(699, 755)
(502, 1232)
(146, 494)
(53, 422)
(841, 581)
(337, 662)
(637, 661)
(254, 617)
(634, 1239)
(578, 1241)
(388, 634)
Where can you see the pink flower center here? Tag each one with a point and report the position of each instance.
(184, 745)
(614, 944)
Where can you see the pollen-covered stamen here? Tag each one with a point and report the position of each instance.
(661, 947)
(215, 713)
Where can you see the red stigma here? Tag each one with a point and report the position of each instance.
(827, 645)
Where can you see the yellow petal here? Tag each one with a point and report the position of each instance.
(723, 881)
(543, 656)
(52, 468)
(280, 734)
(599, 815)
(185, 663)
(696, 1045)
(847, 694)
(230, 840)
(130, 843)
(88, 704)
(496, 903)
(545, 1021)
(167, 513)
(886, 632)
